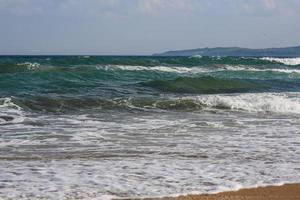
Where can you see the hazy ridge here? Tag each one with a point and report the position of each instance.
(236, 51)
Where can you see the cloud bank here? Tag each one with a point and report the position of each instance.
(26, 7)
(144, 26)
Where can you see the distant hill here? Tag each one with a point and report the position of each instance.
(236, 51)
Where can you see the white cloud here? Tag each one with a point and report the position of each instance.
(19, 7)
(269, 4)
(155, 6)
(288, 8)
(150, 7)
(28, 7)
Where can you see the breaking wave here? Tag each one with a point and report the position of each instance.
(36, 67)
(285, 103)
(257, 102)
(195, 70)
(286, 61)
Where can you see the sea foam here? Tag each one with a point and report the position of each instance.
(286, 61)
(30, 65)
(10, 112)
(288, 103)
(179, 70)
(195, 69)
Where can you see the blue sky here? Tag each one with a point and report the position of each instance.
(144, 26)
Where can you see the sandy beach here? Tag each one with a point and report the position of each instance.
(285, 192)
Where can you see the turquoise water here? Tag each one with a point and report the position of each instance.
(59, 84)
(81, 127)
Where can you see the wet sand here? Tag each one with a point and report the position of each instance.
(285, 192)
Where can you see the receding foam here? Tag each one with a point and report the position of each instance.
(10, 112)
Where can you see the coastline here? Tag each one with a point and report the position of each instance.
(283, 192)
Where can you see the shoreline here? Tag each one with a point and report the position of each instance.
(282, 192)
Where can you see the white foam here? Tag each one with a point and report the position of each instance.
(247, 68)
(9, 109)
(196, 56)
(286, 61)
(105, 156)
(30, 65)
(285, 70)
(150, 154)
(179, 70)
(193, 70)
(259, 102)
(84, 56)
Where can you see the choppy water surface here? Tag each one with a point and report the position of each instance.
(103, 127)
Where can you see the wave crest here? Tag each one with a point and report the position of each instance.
(284, 103)
(286, 61)
(19, 67)
(256, 102)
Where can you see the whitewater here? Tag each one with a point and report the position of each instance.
(103, 127)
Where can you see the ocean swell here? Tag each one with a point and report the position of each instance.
(203, 85)
(285, 103)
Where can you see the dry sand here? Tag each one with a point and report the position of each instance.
(285, 192)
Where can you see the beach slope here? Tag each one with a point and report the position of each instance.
(285, 192)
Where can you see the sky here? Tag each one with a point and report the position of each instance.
(141, 27)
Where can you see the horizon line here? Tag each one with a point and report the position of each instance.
(150, 54)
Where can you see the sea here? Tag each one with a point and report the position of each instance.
(104, 127)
